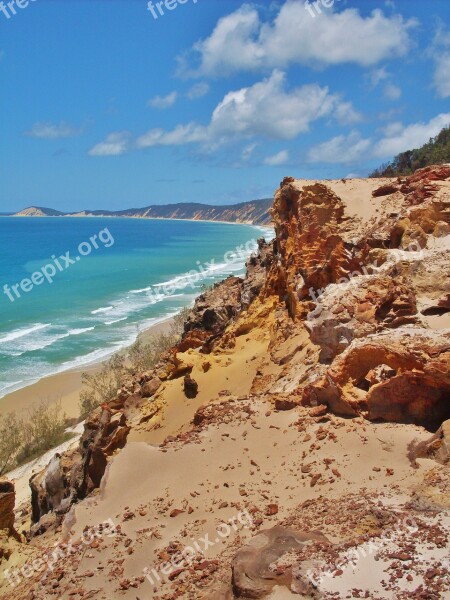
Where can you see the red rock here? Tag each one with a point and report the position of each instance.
(272, 509)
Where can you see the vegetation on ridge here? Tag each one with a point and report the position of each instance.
(102, 386)
(434, 152)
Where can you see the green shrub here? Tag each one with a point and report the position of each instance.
(102, 386)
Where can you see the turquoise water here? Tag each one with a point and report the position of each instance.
(79, 289)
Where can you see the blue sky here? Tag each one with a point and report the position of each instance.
(104, 106)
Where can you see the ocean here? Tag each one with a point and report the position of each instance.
(75, 290)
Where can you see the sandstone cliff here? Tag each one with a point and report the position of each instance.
(300, 426)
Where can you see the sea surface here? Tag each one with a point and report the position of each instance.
(85, 287)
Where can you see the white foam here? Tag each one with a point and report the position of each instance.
(115, 321)
(19, 333)
(102, 310)
(80, 331)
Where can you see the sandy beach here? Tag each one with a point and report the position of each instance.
(64, 387)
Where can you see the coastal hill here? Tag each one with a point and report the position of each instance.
(255, 212)
(294, 443)
(435, 152)
(38, 211)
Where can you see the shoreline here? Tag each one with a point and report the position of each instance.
(76, 216)
(66, 386)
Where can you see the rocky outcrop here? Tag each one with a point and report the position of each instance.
(218, 307)
(212, 312)
(73, 476)
(310, 252)
(400, 376)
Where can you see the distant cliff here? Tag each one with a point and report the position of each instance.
(38, 211)
(255, 212)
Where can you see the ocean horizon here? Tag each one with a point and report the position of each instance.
(76, 290)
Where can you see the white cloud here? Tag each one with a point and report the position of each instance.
(266, 109)
(163, 102)
(198, 91)
(399, 139)
(278, 159)
(440, 52)
(341, 150)
(378, 75)
(240, 41)
(115, 144)
(49, 131)
(182, 134)
(442, 75)
(392, 91)
(346, 115)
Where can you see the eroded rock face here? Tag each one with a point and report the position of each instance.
(310, 253)
(7, 501)
(212, 312)
(218, 307)
(253, 572)
(359, 308)
(75, 475)
(415, 387)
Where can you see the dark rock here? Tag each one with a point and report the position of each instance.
(190, 387)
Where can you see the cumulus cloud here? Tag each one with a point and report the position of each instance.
(266, 109)
(398, 138)
(50, 131)
(353, 148)
(342, 149)
(115, 144)
(278, 159)
(163, 102)
(241, 41)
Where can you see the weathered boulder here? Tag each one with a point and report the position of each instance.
(253, 576)
(385, 190)
(150, 388)
(415, 387)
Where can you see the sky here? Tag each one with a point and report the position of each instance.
(107, 104)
